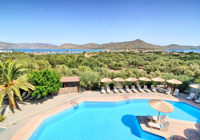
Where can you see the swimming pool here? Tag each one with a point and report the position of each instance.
(107, 121)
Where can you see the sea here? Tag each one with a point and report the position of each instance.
(54, 50)
(180, 50)
(81, 50)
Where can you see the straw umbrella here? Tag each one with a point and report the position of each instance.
(197, 86)
(174, 82)
(131, 80)
(106, 80)
(144, 79)
(158, 79)
(161, 106)
(118, 80)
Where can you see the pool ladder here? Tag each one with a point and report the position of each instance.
(73, 102)
(127, 97)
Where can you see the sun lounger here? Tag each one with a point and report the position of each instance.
(159, 126)
(153, 88)
(146, 89)
(176, 92)
(140, 89)
(191, 96)
(24, 94)
(108, 89)
(127, 89)
(197, 101)
(103, 90)
(5, 97)
(121, 89)
(32, 97)
(115, 89)
(134, 90)
(168, 90)
(27, 96)
(159, 89)
(155, 118)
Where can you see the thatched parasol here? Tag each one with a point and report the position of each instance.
(174, 82)
(131, 80)
(197, 86)
(161, 106)
(106, 80)
(144, 79)
(158, 79)
(118, 80)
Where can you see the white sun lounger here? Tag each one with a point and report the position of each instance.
(24, 94)
(133, 88)
(32, 97)
(191, 96)
(153, 88)
(127, 89)
(121, 89)
(146, 88)
(103, 90)
(197, 101)
(159, 89)
(176, 92)
(5, 97)
(159, 126)
(108, 89)
(140, 89)
(168, 90)
(155, 118)
(27, 96)
(115, 89)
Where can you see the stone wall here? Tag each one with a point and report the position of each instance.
(69, 88)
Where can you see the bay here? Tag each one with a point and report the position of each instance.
(54, 50)
(180, 50)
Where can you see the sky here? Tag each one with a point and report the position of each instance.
(160, 22)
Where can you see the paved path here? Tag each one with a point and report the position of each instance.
(14, 122)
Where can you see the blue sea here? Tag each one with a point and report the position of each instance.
(54, 50)
(179, 50)
(81, 50)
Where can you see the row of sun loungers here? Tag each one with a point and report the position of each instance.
(137, 90)
(25, 96)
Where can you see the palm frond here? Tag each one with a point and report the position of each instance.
(2, 94)
(16, 91)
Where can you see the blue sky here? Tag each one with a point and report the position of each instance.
(160, 22)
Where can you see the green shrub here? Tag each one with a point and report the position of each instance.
(45, 81)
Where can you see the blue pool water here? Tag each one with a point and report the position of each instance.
(107, 121)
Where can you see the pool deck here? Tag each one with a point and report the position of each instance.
(178, 129)
(22, 124)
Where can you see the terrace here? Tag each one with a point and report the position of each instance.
(23, 123)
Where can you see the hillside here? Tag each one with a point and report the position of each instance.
(4, 45)
(118, 45)
(125, 45)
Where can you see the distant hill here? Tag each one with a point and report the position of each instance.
(175, 46)
(118, 45)
(125, 45)
(4, 45)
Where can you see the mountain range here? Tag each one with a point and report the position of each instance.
(118, 45)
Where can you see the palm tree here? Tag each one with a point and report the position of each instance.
(11, 82)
